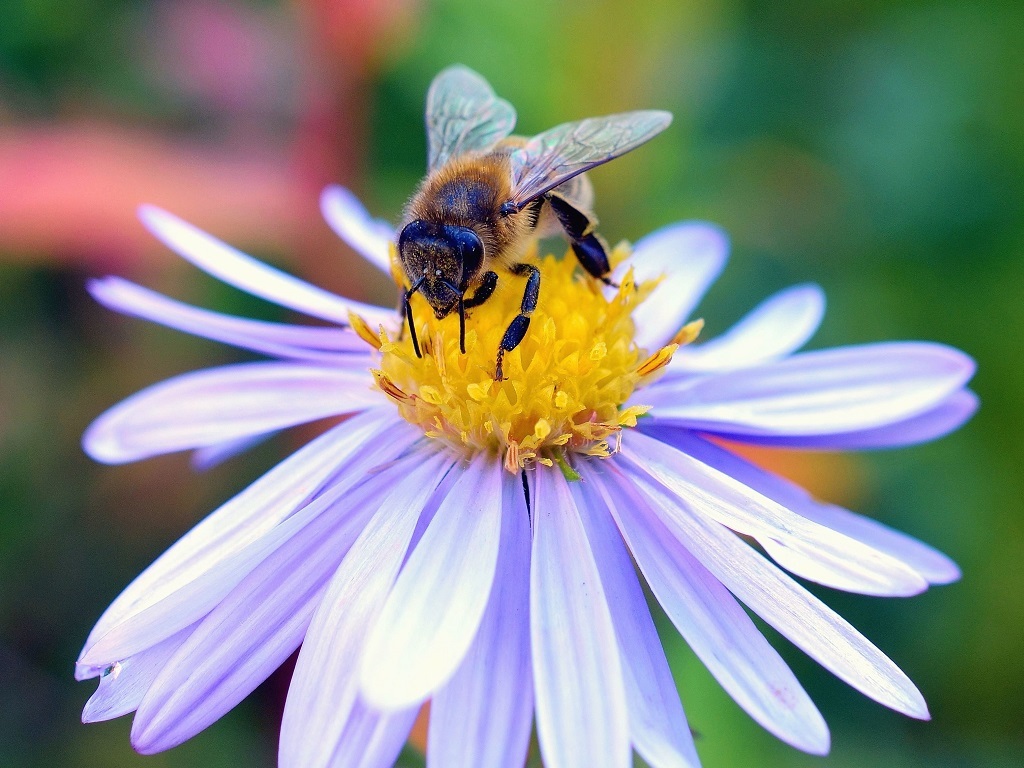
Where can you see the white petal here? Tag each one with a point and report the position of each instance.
(255, 511)
(714, 625)
(826, 555)
(258, 624)
(221, 404)
(325, 681)
(657, 724)
(688, 257)
(482, 717)
(370, 238)
(791, 609)
(943, 418)
(371, 739)
(775, 328)
(210, 456)
(124, 684)
(934, 566)
(276, 339)
(829, 391)
(434, 610)
(246, 273)
(577, 673)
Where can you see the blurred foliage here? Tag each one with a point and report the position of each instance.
(876, 148)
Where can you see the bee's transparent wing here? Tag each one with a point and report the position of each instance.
(464, 115)
(555, 156)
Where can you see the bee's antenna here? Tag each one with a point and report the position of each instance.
(462, 324)
(462, 314)
(408, 314)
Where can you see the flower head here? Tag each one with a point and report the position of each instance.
(471, 541)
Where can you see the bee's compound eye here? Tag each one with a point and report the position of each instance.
(414, 231)
(471, 248)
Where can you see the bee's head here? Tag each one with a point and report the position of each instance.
(442, 259)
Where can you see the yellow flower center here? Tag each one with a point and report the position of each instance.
(565, 385)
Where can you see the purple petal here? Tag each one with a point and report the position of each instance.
(817, 552)
(792, 610)
(371, 739)
(253, 513)
(714, 625)
(195, 599)
(816, 393)
(657, 724)
(276, 339)
(930, 563)
(325, 682)
(947, 416)
(775, 328)
(577, 673)
(246, 273)
(210, 456)
(222, 404)
(482, 717)
(124, 684)
(435, 608)
(259, 624)
(370, 238)
(688, 257)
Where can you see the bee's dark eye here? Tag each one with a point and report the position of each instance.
(414, 231)
(471, 249)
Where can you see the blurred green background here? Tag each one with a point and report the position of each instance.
(876, 148)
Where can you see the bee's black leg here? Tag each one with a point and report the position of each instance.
(483, 293)
(516, 330)
(588, 247)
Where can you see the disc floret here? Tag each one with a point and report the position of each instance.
(564, 388)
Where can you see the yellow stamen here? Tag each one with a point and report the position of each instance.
(565, 385)
(688, 333)
(363, 331)
(658, 360)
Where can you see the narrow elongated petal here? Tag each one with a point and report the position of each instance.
(210, 456)
(435, 608)
(792, 610)
(242, 271)
(945, 417)
(657, 725)
(930, 563)
(276, 339)
(370, 238)
(482, 716)
(194, 599)
(687, 257)
(257, 625)
(816, 393)
(255, 511)
(777, 327)
(325, 682)
(221, 404)
(124, 684)
(371, 739)
(577, 671)
(830, 557)
(714, 625)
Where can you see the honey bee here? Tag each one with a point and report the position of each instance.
(488, 194)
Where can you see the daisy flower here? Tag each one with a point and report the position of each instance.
(472, 542)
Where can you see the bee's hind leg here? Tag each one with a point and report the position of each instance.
(516, 331)
(589, 248)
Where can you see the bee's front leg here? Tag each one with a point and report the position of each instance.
(588, 246)
(487, 285)
(516, 331)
